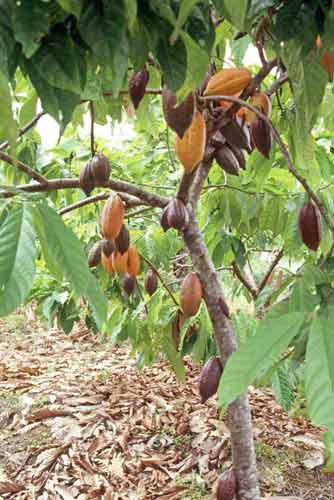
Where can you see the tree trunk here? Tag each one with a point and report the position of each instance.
(239, 416)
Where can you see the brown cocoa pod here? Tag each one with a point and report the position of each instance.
(107, 247)
(151, 282)
(119, 261)
(224, 307)
(178, 118)
(107, 263)
(227, 160)
(112, 217)
(310, 226)
(209, 378)
(129, 283)
(164, 219)
(235, 135)
(94, 255)
(238, 153)
(137, 86)
(133, 262)
(261, 136)
(101, 169)
(122, 242)
(191, 294)
(177, 214)
(86, 180)
(227, 486)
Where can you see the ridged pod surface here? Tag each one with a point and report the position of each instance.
(262, 103)
(107, 247)
(190, 149)
(227, 486)
(122, 242)
(112, 217)
(191, 294)
(261, 136)
(100, 168)
(151, 282)
(177, 214)
(107, 263)
(86, 180)
(119, 261)
(133, 262)
(129, 283)
(235, 135)
(164, 219)
(310, 226)
(209, 378)
(178, 118)
(228, 81)
(227, 160)
(94, 255)
(137, 86)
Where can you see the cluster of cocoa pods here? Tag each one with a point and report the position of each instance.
(95, 173)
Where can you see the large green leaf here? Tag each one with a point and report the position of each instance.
(197, 69)
(65, 257)
(8, 46)
(257, 355)
(319, 382)
(31, 22)
(173, 61)
(8, 127)
(185, 8)
(17, 258)
(234, 10)
(72, 6)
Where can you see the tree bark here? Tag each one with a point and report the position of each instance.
(239, 415)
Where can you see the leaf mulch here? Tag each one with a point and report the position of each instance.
(78, 420)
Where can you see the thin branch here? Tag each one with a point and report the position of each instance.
(272, 266)
(130, 201)
(277, 84)
(92, 123)
(139, 212)
(125, 92)
(24, 129)
(23, 167)
(242, 278)
(166, 287)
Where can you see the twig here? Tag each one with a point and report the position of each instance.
(125, 92)
(24, 168)
(92, 123)
(242, 278)
(152, 266)
(24, 129)
(272, 266)
(277, 84)
(129, 201)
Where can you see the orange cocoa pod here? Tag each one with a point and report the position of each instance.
(107, 263)
(327, 61)
(112, 217)
(228, 81)
(119, 261)
(133, 261)
(227, 104)
(190, 149)
(191, 294)
(262, 103)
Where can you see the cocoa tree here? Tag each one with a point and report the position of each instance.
(254, 146)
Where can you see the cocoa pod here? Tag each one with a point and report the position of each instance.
(177, 214)
(151, 282)
(129, 283)
(209, 378)
(119, 261)
(107, 263)
(178, 118)
(101, 169)
(122, 241)
(177, 324)
(310, 226)
(261, 136)
(112, 217)
(107, 247)
(224, 307)
(164, 219)
(228, 81)
(327, 61)
(86, 180)
(262, 103)
(94, 255)
(137, 86)
(227, 160)
(190, 149)
(191, 294)
(235, 135)
(227, 486)
(238, 153)
(133, 262)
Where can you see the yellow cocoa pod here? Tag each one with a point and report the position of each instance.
(107, 263)
(228, 81)
(262, 103)
(191, 294)
(112, 217)
(119, 261)
(190, 149)
(133, 263)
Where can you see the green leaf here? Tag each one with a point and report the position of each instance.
(173, 61)
(28, 110)
(173, 356)
(31, 21)
(17, 258)
(197, 69)
(185, 8)
(65, 257)
(257, 355)
(234, 10)
(319, 383)
(131, 8)
(9, 49)
(8, 127)
(72, 6)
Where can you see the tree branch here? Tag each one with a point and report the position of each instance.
(242, 278)
(272, 266)
(24, 129)
(23, 167)
(130, 202)
(277, 84)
